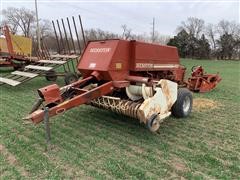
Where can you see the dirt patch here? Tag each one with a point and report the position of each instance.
(179, 165)
(137, 149)
(200, 104)
(1, 147)
(68, 170)
(12, 160)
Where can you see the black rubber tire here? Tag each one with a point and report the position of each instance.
(70, 78)
(153, 123)
(184, 96)
(19, 67)
(51, 75)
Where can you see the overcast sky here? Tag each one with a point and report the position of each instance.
(137, 15)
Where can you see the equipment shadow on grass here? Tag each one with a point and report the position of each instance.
(120, 123)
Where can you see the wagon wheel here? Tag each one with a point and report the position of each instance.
(70, 78)
(51, 75)
(19, 66)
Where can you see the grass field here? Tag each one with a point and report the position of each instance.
(91, 143)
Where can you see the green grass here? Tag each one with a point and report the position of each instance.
(90, 142)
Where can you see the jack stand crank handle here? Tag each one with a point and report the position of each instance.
(47, 128)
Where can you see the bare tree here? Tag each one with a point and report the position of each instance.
(211, 33)
(98, 34)
(161, 39)
(19, 19)
(192, 26)
(229, 42)
(227, 27)
(45, 28)
(126, 32)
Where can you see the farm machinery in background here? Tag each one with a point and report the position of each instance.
(141, 80)
(16, 52)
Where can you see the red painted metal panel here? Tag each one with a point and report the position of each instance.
(109, 57)
(50, 93)
(97, 56)
(114, 58)
(148, 56)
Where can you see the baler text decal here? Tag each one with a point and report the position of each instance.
(144, 65)
(100, 50)
(148, 65)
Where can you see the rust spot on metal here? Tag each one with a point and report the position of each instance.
(59, 111)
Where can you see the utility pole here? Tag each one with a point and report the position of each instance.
(38, 28)
(153, 30)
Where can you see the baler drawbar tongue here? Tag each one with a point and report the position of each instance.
(59, 100)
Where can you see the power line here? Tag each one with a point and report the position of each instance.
(153, 30)
(38, 28)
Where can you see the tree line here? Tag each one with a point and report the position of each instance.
(194, 39)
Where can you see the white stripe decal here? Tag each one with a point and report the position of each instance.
(151, 66)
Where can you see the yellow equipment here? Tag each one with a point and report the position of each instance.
(20, 45)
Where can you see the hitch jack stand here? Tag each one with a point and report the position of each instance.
(47, 128)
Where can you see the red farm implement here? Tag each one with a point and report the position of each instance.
(141, 80)
(202, 82)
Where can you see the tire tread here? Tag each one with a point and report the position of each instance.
(177, 109)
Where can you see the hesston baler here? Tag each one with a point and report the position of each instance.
(141, 80)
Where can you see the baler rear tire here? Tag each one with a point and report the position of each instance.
(183, 105)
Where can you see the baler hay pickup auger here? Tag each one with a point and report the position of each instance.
(141, 80)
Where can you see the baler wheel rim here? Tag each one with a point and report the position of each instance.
(186, 104)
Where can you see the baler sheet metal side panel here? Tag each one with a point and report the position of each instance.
(98, 55)
(110, 58)
(121, 57)
(118, 75)
(153, 54)
(119, 67)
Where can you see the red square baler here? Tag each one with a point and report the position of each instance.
(137, 79)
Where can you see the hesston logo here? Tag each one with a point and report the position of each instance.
(100, 50)
(144, 65)
(148, 65)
